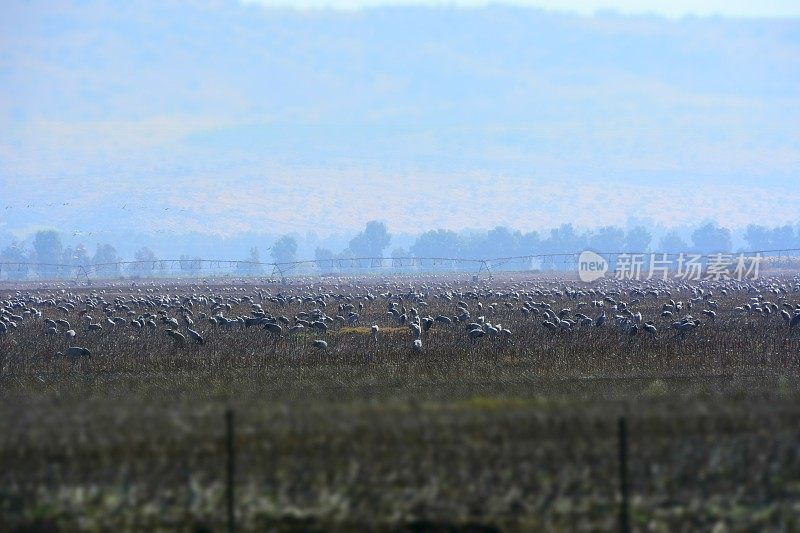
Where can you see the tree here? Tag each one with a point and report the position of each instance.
(347, 253)
(783, 238)
(15, 253)
(322, 254)
(324, 258)
(146, 262)
(400, 252)
(105, 253)
(251, 265)
(372, 241)
(397, 255)
(498, 242)
(672, 243)
(638, 240)
(80, 256)
(757, 237)
(284, 250)
(502, 242)
(564, 239)
(472, 245)
(436, 243)
(75, 257)
(189, 264)
(607, 239)
(66, 256)
(48, 246)
(105, 259)
(145, 254)
(710, 238)
(530, 243)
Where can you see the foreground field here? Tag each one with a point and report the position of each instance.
(507, 432)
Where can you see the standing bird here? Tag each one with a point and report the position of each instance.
(375, 330)
(273, 328)
(75, 351)
(476, 333)
(600, 320)
(195, 336)
(417, 345)
(550, 325)
(177, 336)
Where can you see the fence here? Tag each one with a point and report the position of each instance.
(417, 469)
(200, 268)
(230, 481)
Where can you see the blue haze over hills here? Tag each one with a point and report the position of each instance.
(214, 126)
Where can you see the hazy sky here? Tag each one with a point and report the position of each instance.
(667, 8)
(219, 117)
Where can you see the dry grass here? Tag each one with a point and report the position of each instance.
(516, 436)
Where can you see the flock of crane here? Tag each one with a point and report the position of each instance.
(310, 309)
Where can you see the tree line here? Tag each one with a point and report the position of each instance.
(374, 241)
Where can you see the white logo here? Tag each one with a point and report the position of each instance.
(591, 266)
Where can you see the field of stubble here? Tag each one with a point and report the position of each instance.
(477, 434)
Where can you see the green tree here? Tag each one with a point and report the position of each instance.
(324, 258)
(284, 250)
(191, 265)
(145, 262)
(564, 239)
(106, 260)
(783, 238)
(372, 241)
(15, 253)
(711, 238)
(638, 240)
(49, 250)
(609, 239)
(672, 243)
(436, 243)
(48, 246)
(530, 243)
(252, 264)
(758, 237)
(81, 256)
(397, 262)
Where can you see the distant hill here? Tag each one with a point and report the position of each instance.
(220, 118)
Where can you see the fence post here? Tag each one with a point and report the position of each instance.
(624, 523)
(230, 480)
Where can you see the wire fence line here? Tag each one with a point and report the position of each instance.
(169, 268)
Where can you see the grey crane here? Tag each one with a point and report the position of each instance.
(74, 351)
(195, 336)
